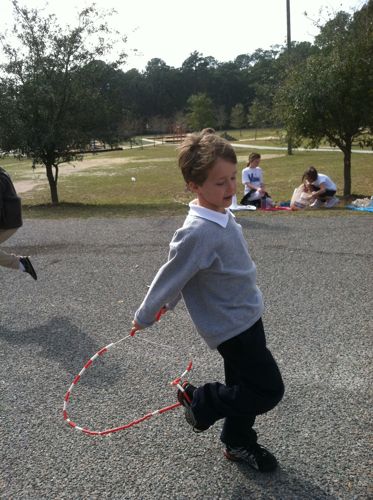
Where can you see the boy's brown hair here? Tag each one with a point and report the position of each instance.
(198, 154)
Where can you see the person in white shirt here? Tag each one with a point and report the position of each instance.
(323, 188)
(252, 179)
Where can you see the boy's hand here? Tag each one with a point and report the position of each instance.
(135, 328)
(161, 312)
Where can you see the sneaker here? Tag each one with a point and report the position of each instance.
(270, 203)
(316, 203)
(258, 457)
(332, 202)
(185, 397)
(25, 261)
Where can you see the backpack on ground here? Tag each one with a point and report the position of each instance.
(10, 203)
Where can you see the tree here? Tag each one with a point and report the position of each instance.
(160, 81)
(331, 97)
(264, 77)
(55, 98)
(200, 112)
(196, 75)
(197, 61)
(220, 117)
(228, 85)
(101, 114)
(243, 61)
(238, 117)
(258, 114)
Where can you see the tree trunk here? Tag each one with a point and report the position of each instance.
(347, 170)
(290, 146)
(52, 183)
(288, 39)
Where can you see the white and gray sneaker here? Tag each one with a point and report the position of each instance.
(332, 202)
(256, 456)
(316, 203)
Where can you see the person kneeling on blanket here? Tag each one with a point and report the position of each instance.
(322, 189)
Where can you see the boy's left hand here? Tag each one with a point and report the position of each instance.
(161, 312)
(135, 327)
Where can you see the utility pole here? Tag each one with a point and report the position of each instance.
(290, 149)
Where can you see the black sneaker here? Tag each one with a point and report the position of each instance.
(25, 261)
(256, 456)
(185, 397)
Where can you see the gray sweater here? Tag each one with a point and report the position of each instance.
(209, 266)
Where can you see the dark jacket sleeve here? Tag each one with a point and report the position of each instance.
(10, 203)
(1, 198)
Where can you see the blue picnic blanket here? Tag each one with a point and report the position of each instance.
(361, 209)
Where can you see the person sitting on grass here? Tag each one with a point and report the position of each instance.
(252, 179)
(322, 187)
(210, 267)
(301, 197)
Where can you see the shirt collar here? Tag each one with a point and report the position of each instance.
(211, 215)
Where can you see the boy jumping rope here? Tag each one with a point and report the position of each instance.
(209, 266)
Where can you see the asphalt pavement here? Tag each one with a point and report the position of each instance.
(316, 277)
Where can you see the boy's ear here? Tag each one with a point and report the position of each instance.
(192, 186)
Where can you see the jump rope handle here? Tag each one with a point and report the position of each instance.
(160, 313)
(158, 316)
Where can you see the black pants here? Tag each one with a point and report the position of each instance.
(253, 386)
(257, 203)
(329, 193)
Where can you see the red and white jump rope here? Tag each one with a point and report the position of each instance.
(177, 382)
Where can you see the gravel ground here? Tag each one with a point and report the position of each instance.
(316, 276)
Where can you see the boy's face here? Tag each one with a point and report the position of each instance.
(219, 187)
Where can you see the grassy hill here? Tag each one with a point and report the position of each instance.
(147, 180)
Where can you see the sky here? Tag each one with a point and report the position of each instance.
(172, 30)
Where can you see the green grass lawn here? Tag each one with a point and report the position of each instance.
(102, 184)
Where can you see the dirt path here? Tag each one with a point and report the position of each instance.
(67, 169)
(24, 186)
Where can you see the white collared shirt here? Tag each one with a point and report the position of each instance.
(211, 215)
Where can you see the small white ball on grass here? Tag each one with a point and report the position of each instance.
(133, 179)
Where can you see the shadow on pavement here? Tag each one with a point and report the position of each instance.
(282, 485)
(61, 341)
